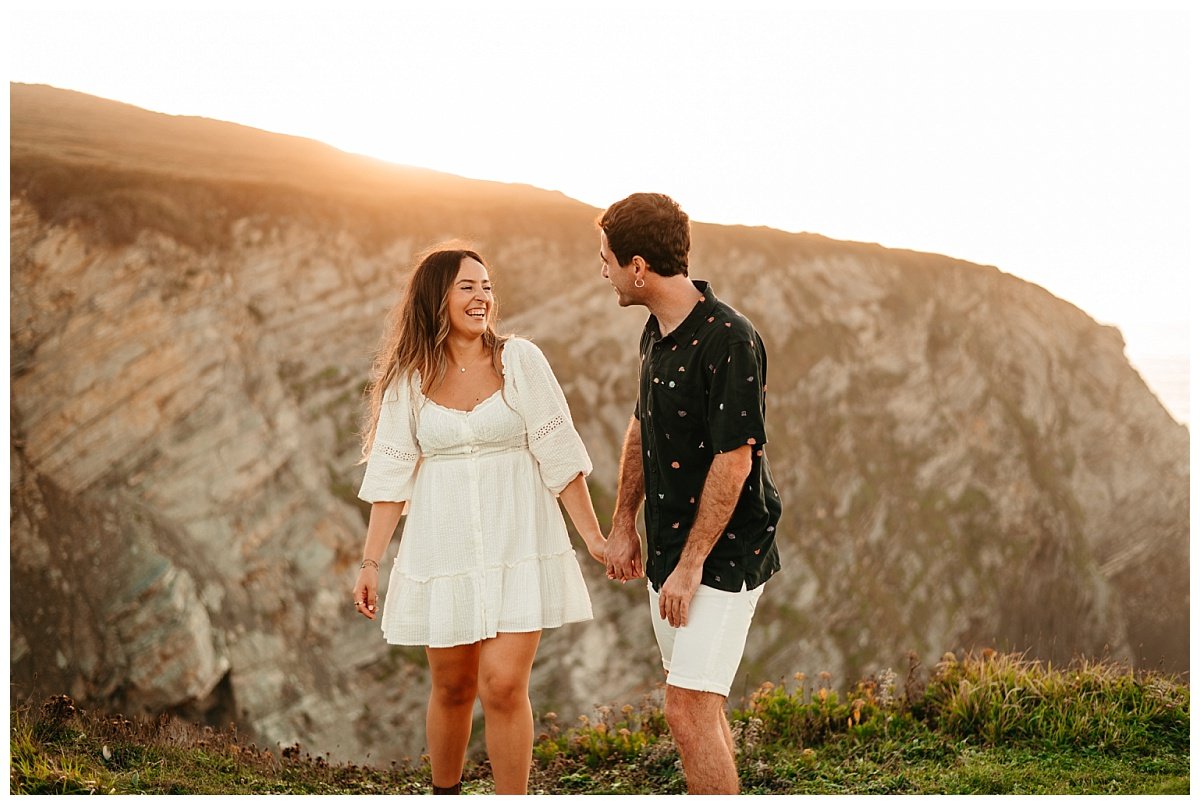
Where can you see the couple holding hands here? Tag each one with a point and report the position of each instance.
(469, 432)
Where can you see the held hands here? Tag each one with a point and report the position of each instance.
(623, 554)
(676, 594)
(597, 546)
(366, 591)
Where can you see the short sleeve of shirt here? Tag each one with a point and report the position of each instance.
(736, 409)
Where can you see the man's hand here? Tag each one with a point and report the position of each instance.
(623, 554)
(676, 594)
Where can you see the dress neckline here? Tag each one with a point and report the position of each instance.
(481, 403)
(478, 405)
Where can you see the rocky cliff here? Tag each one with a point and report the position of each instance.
(964, 459)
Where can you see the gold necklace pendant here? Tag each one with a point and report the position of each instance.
(463, 369)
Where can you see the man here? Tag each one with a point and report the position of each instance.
(694, 453)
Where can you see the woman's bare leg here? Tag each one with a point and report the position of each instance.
(455, 673)
(504, 665)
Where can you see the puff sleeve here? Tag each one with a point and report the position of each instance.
(539, 399)
(392, 462)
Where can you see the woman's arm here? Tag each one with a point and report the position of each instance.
(385, 516)
(539, 399)
(578, 503)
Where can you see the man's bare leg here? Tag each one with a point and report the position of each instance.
(698, 725)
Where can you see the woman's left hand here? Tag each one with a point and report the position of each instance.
(596, 548)
(578, 503)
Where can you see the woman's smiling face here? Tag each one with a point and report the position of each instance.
(469, 302)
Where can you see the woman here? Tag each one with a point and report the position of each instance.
(473, 431)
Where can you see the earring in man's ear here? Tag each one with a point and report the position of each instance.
(639, 283)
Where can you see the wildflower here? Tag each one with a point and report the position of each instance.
(750, 735)
(627, 709)
(887, 682)
(584, 720)
(624, 733)
(550, 716)
(800, 676)
(858, 706)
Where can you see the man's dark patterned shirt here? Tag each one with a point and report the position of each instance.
(703, 392)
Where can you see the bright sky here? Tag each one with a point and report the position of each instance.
(1048, 139)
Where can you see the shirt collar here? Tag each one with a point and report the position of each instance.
(688, 326)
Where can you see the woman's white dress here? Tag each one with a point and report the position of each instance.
(484, 549)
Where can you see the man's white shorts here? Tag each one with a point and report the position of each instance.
(704, 655)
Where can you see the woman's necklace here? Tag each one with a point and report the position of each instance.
(462, 369)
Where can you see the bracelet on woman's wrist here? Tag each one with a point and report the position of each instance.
(368, 563)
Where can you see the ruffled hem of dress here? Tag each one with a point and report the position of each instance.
(534, 593)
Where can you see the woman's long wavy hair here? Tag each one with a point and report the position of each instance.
(414, 339)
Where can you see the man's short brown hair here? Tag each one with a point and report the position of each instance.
(651, 226)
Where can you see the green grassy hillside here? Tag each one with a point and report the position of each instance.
(986, 724)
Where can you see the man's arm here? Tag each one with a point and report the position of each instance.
(722, 488)
(623, 553)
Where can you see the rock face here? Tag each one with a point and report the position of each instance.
(964, 459)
